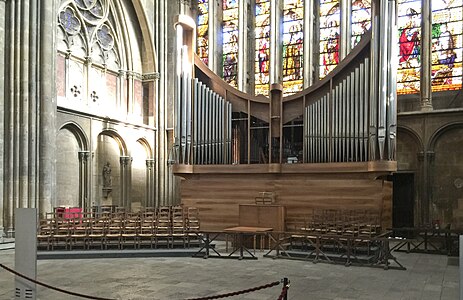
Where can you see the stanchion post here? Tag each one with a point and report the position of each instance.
(25, 252)
(285, 286)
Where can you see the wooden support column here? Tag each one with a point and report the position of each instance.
(276, 126)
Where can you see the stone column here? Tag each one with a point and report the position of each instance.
(150, 188)
(84, 180)
(125, 181)
(345, 45)
(243, 39)
(47, 98)
(426, 60)
(215, 35)
(311, 41)
(276, 39)
(2, 111)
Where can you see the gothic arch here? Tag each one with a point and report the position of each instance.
(441, 131)
(144, 142)
(152, 64)
(120, 141)
(412, 133)
(79, 134)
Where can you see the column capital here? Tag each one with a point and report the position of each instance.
(125, 160)
(150, 164)
(151, 76)
(83, 155)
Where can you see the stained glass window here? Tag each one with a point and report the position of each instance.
(262, 54)
(330, 30)
(203, 30)
(293, 46)
(230, 41)
(361, 19)
(409, 22)
(446, 70)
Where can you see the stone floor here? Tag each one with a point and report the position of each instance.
(427, 277)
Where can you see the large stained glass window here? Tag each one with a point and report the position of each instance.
(361, 19)
(330, 29)
(293, 41)
(203, 30)
(230, 41)
(446, 44)
(262, 55)
(409, 22)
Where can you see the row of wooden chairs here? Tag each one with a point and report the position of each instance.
(353, 222)
(115, 230)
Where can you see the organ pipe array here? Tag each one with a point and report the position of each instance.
(349, 116)
(203, 123)
(337, 124)
(352, 117)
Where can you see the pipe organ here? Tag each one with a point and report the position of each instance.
(330, 146)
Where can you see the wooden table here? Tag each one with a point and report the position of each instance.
(241, 232)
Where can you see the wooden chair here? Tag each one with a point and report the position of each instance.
(44, 234)
(179, 235)
(113, 234)
(96, 235)
(61, 235)
(79, 235)
(162, 233)
(146, 233)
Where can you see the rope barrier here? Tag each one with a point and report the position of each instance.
(284, 292)
(265, 286)
(52, 287)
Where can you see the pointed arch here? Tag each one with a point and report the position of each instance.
(79, 134)
(117, 137)
(441, 131)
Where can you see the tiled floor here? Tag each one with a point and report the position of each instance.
(427, 277)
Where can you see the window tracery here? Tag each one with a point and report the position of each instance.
(86, 25)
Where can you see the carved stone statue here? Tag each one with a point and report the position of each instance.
(107, 181)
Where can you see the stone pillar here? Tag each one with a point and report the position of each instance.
(215, 36)
(125, 181)
(311, 41)
(84, 196)
(130, 93)
(150, 188)
(47, 99)
(345, 45)
(426, 60)
(30, 100)
(243, 41)
(2, 111)
(428, 183)
(276, 39)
